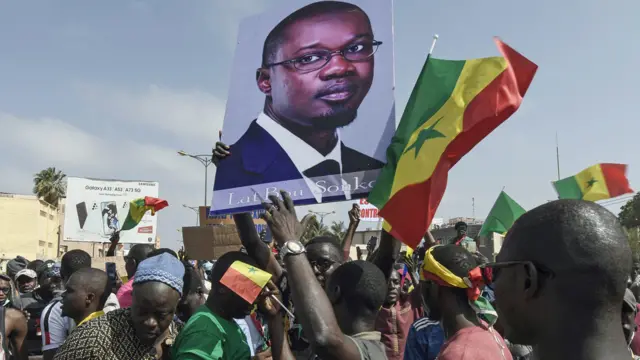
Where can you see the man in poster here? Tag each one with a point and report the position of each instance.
(317, 68)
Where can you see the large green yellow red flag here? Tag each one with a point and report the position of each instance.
(453, 106)
(597, 182)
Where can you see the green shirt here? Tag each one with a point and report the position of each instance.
(207, 336)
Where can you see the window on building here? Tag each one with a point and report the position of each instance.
(50, 245)
(50, 217)
(41, 243)
(43, 214)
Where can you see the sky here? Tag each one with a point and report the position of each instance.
(112, 89)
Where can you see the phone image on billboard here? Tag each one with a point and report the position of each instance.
(110, 223)
(81, 210)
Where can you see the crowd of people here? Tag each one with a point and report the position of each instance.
(562, 287)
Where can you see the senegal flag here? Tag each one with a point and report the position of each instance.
(453, 106)
(137, 209)
(598, 182)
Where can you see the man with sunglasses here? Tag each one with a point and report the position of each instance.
(317, 68)
(560, 280)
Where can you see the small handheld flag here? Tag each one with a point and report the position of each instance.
(245, 280)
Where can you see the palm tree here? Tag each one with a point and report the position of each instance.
(338, 229)
(50, 185)
(313, 229)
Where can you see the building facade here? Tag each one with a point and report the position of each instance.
(29, 227)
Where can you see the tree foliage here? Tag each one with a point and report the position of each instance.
(313, 229)
(630, 213)
(338, 229)
(50, 185)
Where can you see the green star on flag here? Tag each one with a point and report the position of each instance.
(252, 270)
(423, 136)
(591, 182)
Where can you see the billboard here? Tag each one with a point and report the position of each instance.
(368, 212)
(310, 107)
(96, 208)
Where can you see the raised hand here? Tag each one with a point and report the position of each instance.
(354, 214)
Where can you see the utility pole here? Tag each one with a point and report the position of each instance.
(473, 208)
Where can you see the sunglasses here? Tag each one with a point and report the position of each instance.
(5, 290)
(491, 271)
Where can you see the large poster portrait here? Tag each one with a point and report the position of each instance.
(310, 107)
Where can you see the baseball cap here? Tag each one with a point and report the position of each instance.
(26, 272)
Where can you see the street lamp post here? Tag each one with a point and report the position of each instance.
(196, 210)
(321, 214)
(205, 160)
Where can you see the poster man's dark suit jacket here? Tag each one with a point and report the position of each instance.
(257, 158)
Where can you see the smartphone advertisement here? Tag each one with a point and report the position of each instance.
(96, 208)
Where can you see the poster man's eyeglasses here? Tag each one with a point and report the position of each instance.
(318, 59)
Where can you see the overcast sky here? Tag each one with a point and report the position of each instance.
(111, 89)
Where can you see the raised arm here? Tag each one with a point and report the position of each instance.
(256, 248)
(387, 253)
(354, 221)
(313, 308)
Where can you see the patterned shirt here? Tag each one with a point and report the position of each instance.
(109, 337)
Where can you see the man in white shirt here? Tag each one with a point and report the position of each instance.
(311, 92)
(55, 327)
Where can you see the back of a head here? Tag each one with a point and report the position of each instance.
(225, 261)
(455, 258)
(276, 35)
(157, 252)
(72, 261)
(579, 238)
(35, 264)
(363, 287)
(95, 281)
(15, 265)
(192, 280)
(140, 252)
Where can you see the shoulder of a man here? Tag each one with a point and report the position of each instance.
(369, 345)
(202, 325)
(85, 341)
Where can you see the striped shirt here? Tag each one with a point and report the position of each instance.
(424, 340)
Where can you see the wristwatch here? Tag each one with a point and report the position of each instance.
(292, 247)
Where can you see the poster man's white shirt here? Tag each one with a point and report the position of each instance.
(302, 154)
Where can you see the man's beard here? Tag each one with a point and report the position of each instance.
(339, 116)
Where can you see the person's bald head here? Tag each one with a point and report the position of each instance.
(86, 291)
(581, 259)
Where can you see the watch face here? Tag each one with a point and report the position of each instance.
(295, 247)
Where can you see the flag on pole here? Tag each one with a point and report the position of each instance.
(598, 182)
(453, 106)
(245, 280)
(503, 214)
(139, 207)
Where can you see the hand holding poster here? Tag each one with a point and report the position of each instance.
(299, 121)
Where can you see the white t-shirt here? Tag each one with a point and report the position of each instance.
(56, 328)
(254, 339)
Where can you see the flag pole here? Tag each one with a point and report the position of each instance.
(433, 45)
(557, 156)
